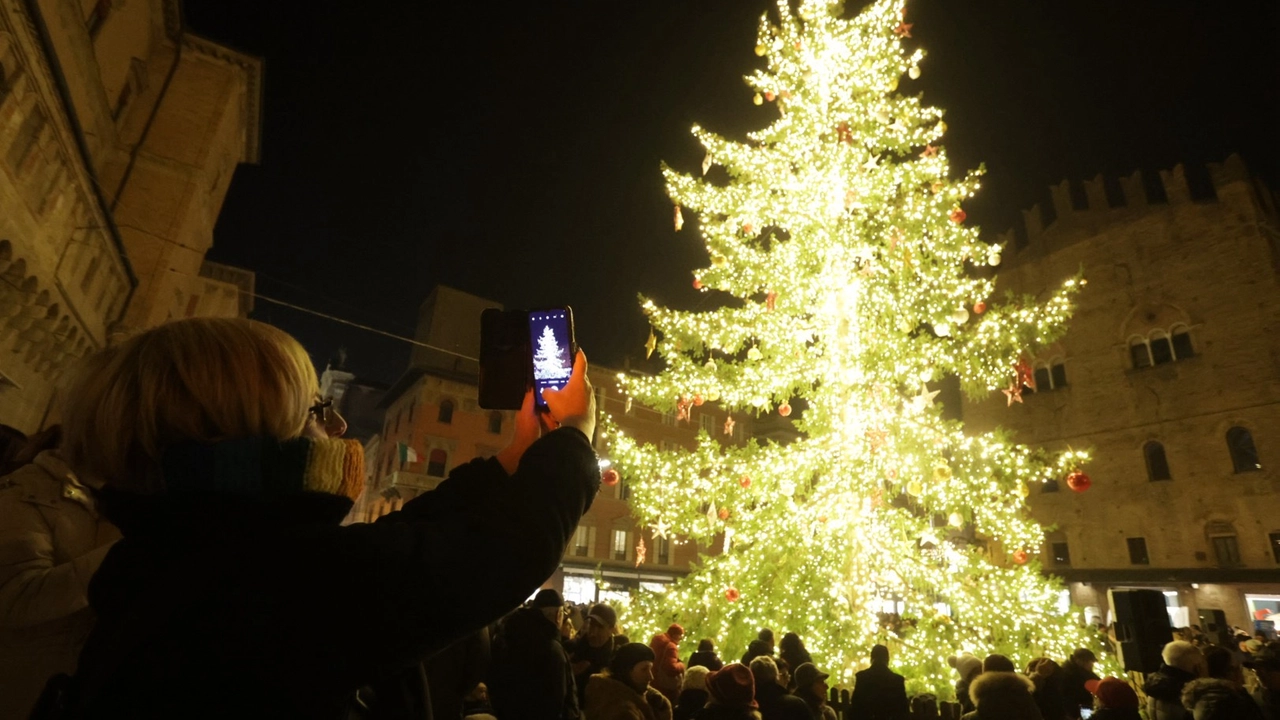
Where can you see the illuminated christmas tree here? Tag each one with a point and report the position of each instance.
(842, 272)
(550, 361)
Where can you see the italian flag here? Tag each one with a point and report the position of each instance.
(407, 454)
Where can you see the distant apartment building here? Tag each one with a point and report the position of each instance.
(1169, 374)
(119, 134)
(433, 422)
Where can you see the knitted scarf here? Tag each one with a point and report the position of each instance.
(263, 467)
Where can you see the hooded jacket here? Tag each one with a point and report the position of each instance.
(667, 668)
(1215, 699)
(1002, 696)
(1164, 693)
(229, 604)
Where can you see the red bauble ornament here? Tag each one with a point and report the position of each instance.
(1078, 481)
(784, 409)
(769, 96)
(1020, 557)
(724, 513)
(979, 308)
(697, 284)
(610, 477)
(957, 215)
(744, 481)
(698, 400)
(748, 228)
(732, 594)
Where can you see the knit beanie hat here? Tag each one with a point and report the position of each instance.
(1182, 655)
(732, 686)
(1116, 694)
(675, 632)
(997, 663)
(627, 657)
(695, 678)
(967, 665)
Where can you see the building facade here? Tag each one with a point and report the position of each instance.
(433, 422)
(1168, 374)
(119, 134)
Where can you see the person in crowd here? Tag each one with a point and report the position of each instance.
(762, 645)
(530, 675)
(1256, 643)
(1266, 664)
(230, 590)
(1182, 663)
(997, 663)
(1220, 695)
(785, 675)
(969, 667)
(878, 692)
(1046, 675)
(667, 668)
(1002, 695)
(1076, 671)
(733, 691)
(454, 672)
(591, 652)
(622, 691)
(924, 707)
(475, 706)
(52, 540)
(693, 693)
(792, 650)
(811, 687)
(706, 656)
(1114, 700)
(771, 693)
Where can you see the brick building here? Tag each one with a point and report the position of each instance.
(433, 422)
(1169, 374)
(119, 134)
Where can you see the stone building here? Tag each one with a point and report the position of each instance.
(1169, 375)
(433, 422)
(119, 134)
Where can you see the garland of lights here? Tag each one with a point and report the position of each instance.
(839, 251)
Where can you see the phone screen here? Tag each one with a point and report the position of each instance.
(551, 338)
(1086, 713)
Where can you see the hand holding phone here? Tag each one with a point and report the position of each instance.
(574, 405)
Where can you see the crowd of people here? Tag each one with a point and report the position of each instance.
(174, 548)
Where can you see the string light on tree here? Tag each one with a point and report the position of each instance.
(847, 204)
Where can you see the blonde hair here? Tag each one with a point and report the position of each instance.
(200, 379)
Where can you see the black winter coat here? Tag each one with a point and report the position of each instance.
(530, 677)
(756, 649)
(879, 694)
(708, 660)
(1074, 693)
(232, 606)
(689, 703)
(776, 704)
(1215, 699)
(1164, 692)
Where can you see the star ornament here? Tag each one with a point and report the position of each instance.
(929, 150)
(650, 344)
(728, 425)
(878, 438)
(661, 528)
(924, 400)
(1013, 394)
(640, 552)
(903, 30)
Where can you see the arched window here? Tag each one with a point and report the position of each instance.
(1139, 352)
(495, 422)
(1051, 375)
(436, 461)
(1226, 549)
(1161, 348)
(1157, 463)
(1182, 348)
(1244, 456)
(446, 412)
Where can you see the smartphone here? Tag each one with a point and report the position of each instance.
(1085, 712)
(505, 370)
(553, 348)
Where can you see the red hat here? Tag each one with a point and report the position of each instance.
(733, 686)
(1114, 693)
(675, 630)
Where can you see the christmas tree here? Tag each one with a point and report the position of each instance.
(842, 273)
(550, 361)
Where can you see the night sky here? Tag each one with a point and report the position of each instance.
(514, 153)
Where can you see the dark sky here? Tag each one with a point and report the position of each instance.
(514, 153)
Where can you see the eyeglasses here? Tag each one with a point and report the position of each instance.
(322, 411)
